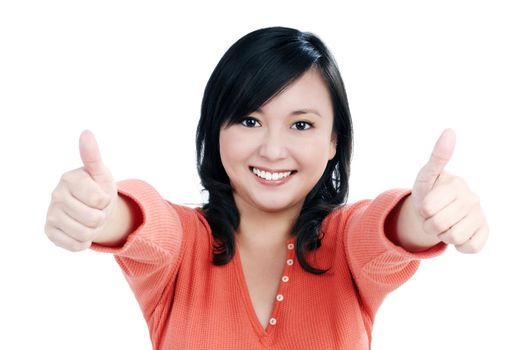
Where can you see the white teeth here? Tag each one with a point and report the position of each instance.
(270, 176)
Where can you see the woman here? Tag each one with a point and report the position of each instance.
(275, 259)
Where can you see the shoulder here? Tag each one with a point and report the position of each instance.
(337, 220)
(366, 212)
(164, 216)
(332, 232)
(191, 216)
(197, 234)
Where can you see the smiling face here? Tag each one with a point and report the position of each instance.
(276, 155)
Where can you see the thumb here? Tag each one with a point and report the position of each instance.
(441, 155)
(91, 158)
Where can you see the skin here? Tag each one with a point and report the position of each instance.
(86, 208)
(276, 138)
(441, 208)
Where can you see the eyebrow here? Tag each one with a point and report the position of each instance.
(299, 111)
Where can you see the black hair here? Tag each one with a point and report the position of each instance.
(253, 70)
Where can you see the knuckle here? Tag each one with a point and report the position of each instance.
(54, 238)
(471, 248)
(48, 231)
(447, 238)
(79, 246)
(72, 179)
(436, 224)
(95, 219)
(64, 177)
(54, 215)
(56, 196)
(97, 201)
(432, 226)
(72, 247)
(92, 221)
(103, 200)
(456, 238)
(85, 235)
(51, 219)
(426, 208)
(67, 177)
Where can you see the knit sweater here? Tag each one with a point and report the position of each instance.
(189, 303)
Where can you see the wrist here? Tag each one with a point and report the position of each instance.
(405, 227)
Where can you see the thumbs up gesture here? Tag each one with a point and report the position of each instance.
(82, 201)
(446, 209)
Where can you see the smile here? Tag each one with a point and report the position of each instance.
(271, 176)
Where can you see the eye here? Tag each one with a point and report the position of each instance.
(302, 125)
(250, 122)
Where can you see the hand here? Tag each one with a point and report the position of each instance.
(82, 201)
(449, 209)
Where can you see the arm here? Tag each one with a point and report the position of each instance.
(387, 237)
(124, 220)
(379, 266)
(405, 228)
(440, 208)
(85, 206)
(149, 255)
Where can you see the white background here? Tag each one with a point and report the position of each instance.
(134, 73)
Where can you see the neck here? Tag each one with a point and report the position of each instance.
(261, 228)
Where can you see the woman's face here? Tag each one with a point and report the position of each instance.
(276, 155)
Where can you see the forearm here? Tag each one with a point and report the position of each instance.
(404, 227)
(123, 221)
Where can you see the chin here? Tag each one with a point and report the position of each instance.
(275, 206)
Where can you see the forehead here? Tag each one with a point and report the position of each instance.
(308, 92)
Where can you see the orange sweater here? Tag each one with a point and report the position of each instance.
(189, 303)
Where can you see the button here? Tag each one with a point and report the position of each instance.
(285, 278)
(290, 246)
(272, 321)
(279, 297)
(289, 262)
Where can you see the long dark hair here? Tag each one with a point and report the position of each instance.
(255, 69)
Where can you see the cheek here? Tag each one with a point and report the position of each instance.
(230, 150)
(318, 144)
(316, 152)
(225, 150)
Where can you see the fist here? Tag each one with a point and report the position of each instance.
(82, 201)
(449, 210)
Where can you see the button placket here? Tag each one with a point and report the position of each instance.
(285, 278)
(289, 261)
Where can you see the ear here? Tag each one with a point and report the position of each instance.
(333, 146)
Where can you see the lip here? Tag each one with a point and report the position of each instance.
(272, 182)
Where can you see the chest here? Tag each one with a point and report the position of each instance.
(258, 302)
(262, 276)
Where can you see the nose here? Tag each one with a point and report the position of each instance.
(273, 145)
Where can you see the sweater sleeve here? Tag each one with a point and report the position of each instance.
(150, 256)
(379, 266)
